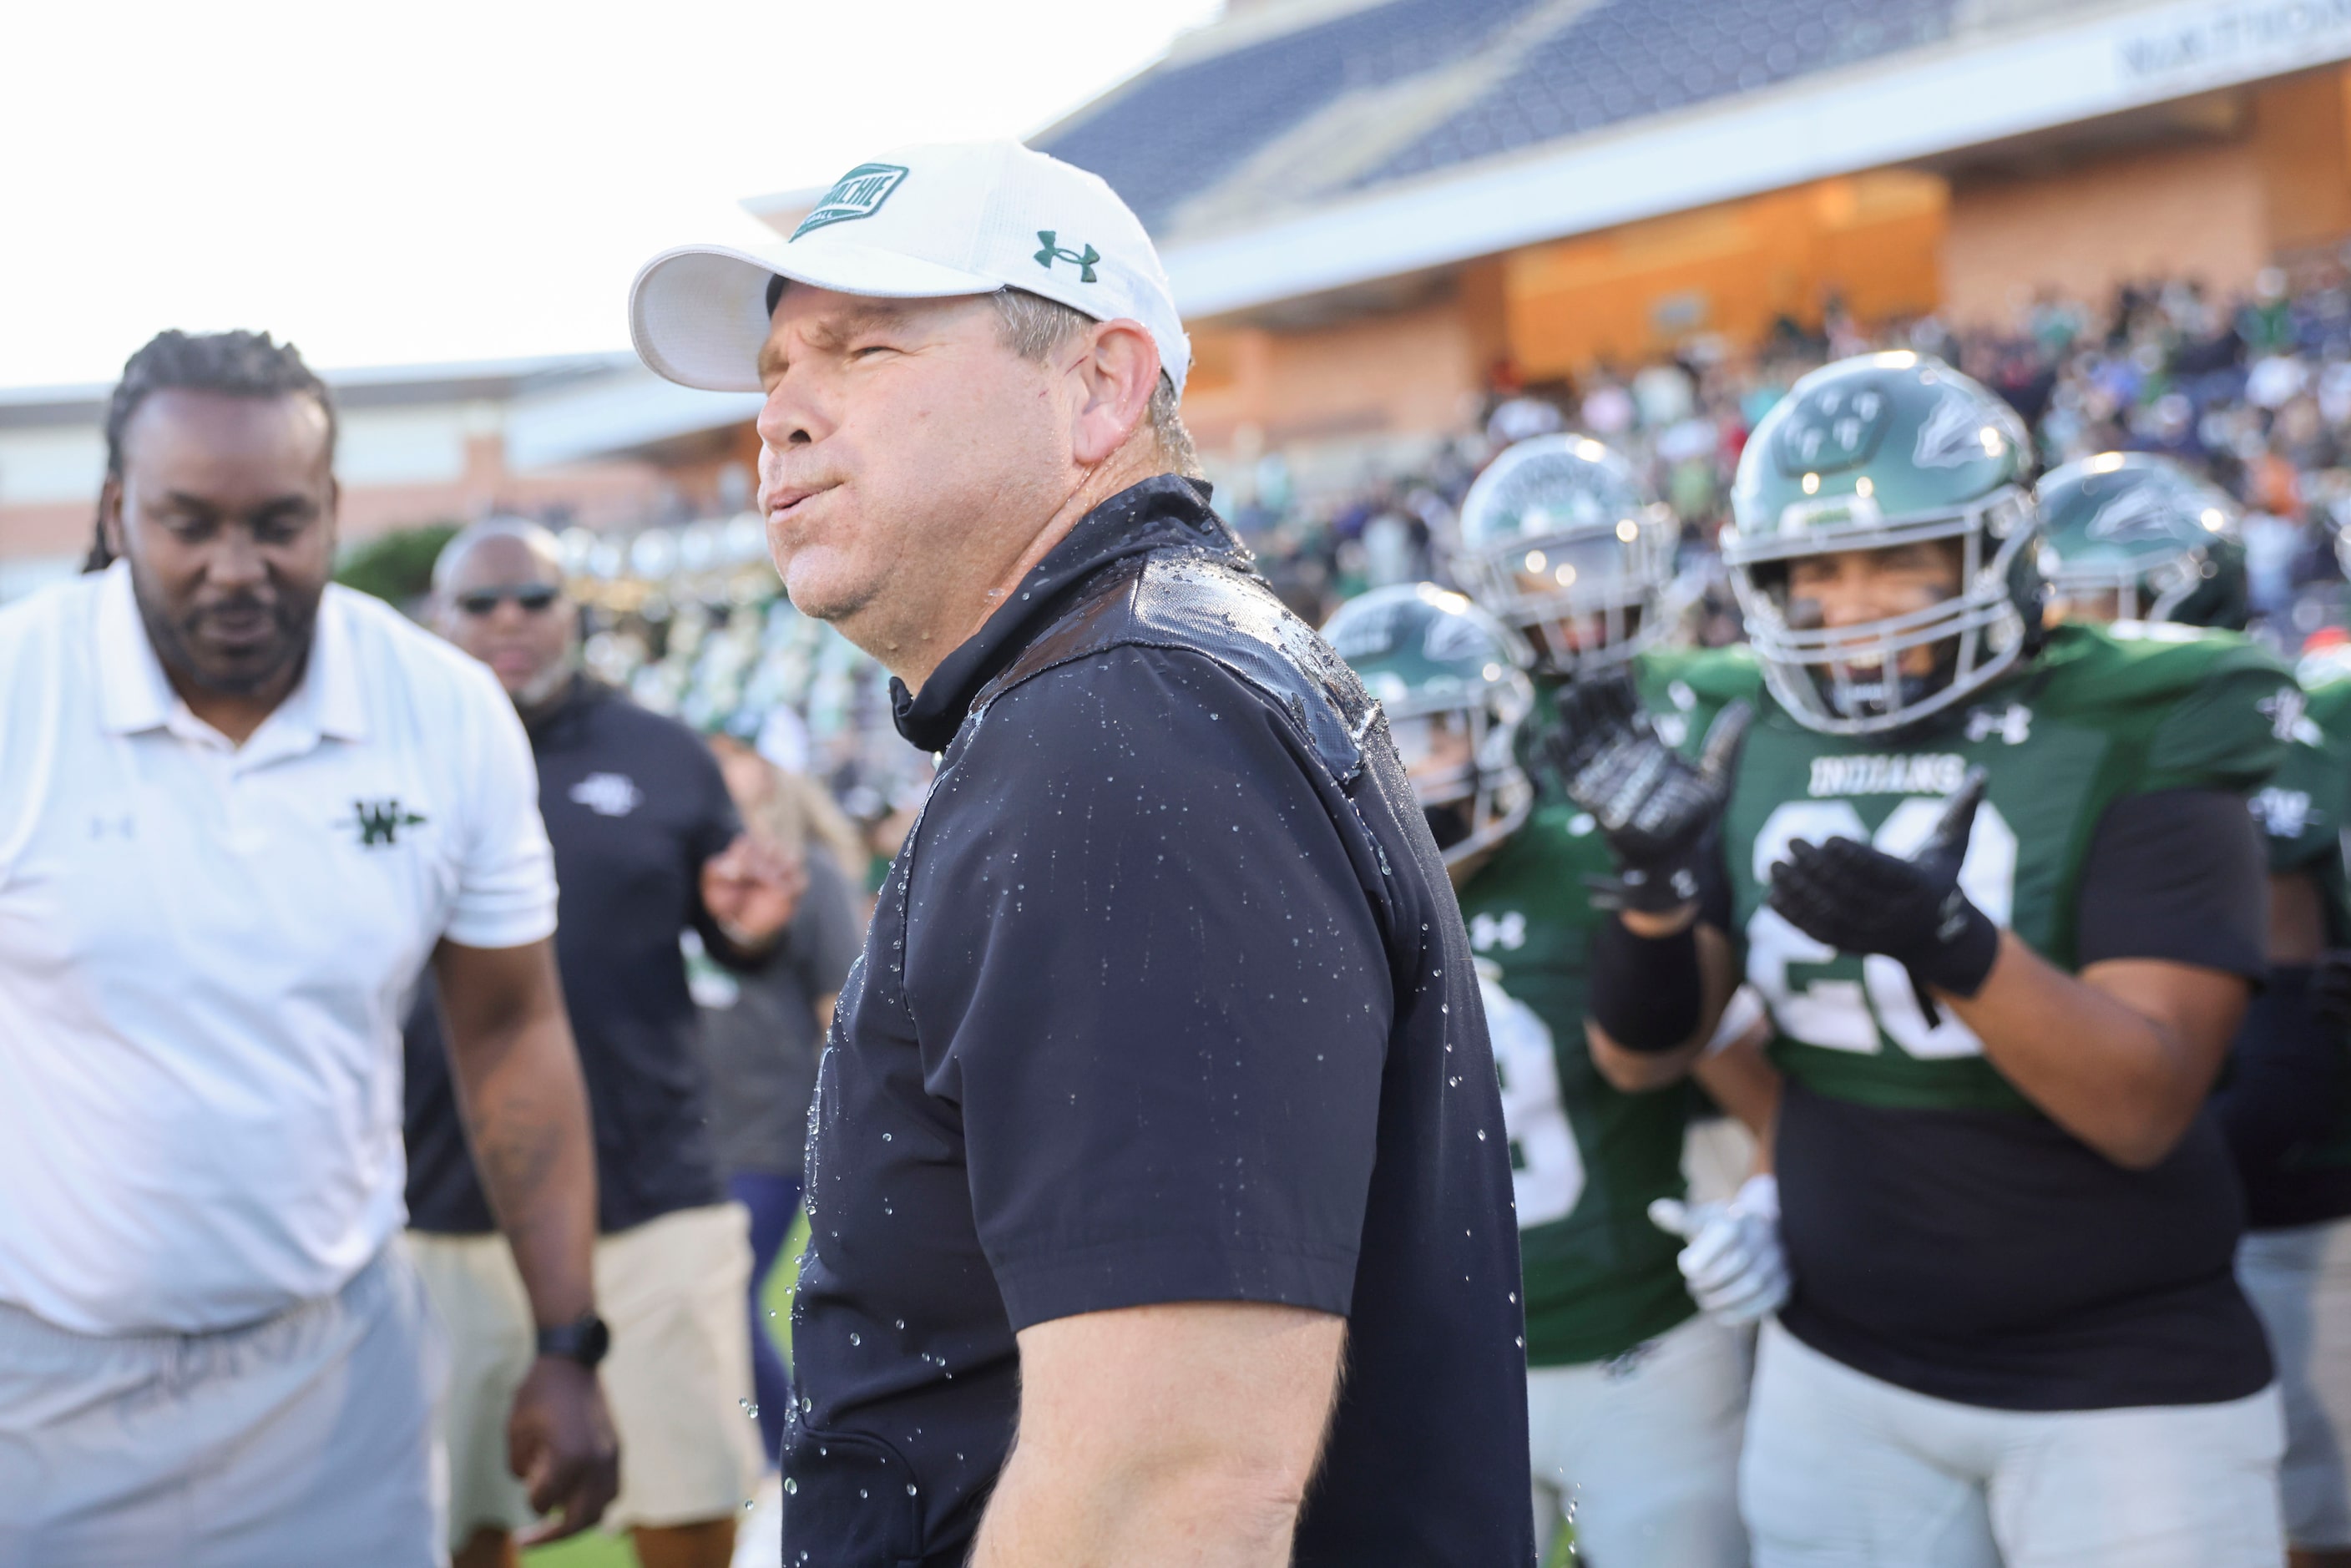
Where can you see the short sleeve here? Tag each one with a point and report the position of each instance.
(2177, 876)
(506, 872)
(2227, 732)
(1155, 980)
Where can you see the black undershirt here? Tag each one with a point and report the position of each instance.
(2084, 1285)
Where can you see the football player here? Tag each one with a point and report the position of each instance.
(2128, 536)
(1561, 541)
(1635, 1398)
(1998, 888)
(2132, 536)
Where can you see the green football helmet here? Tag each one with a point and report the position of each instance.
(2127, 535)
(1871, 452)
(1452, 681)
(1560, 540)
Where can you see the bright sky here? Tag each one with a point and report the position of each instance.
(465, 179)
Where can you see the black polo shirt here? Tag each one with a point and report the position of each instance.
(1167, 999)
(634, 804)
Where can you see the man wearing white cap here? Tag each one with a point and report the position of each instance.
(1163, 1084)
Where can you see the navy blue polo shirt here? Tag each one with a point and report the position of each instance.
(634, 804)
(1167, 999)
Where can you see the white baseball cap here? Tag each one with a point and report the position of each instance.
(918, 223)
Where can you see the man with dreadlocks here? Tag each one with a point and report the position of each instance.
(240, 810)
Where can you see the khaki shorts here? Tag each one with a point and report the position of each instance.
(678, 1377)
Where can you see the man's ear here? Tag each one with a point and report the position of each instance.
(1115, 379)
(109, 514)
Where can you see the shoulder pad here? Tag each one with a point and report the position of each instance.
(1192, 600)
(2132, 662)
(1717, 675)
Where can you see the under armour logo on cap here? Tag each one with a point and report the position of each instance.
(1053, 253)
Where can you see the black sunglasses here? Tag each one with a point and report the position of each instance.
(533, 596)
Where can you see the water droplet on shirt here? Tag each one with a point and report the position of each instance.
(1481, 1135)
(910, 1488)
(856, 1339)
(791, 1487)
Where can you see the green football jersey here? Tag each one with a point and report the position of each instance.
(2302, 808)
(1600, 1278)
(2304, 812)
(2102, 713)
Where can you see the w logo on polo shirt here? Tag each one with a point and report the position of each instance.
(379, 822)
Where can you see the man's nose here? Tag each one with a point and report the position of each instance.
(236, 560)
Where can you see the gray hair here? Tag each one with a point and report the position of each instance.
(1036, 328)
(539, 540)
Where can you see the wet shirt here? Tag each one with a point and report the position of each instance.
(1166, 999)
(634, 804)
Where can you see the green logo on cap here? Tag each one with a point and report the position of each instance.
(1052, 253)
(856, 194)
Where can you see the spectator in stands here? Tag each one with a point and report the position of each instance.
(239, 809)
(762, 1030)
(647, 845)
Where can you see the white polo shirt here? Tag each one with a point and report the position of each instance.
(205, 952)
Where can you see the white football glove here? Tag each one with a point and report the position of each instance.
(1734, 1263)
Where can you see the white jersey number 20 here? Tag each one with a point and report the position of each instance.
(1546, 1168)
(1848, 1015)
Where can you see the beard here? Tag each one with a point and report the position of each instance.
(186, 649)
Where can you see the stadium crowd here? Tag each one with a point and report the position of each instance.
(2253, 392)
(1899, 875)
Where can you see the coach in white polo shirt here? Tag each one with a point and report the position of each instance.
(240, 810)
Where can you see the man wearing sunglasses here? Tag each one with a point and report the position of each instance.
(647, 846)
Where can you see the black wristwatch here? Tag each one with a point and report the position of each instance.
(584, 1342)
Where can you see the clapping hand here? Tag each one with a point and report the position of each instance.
(1652, 806)
(752, 888)
(1858, 899)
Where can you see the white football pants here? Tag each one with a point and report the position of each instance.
(1641, 1453)
(1842, 1470)
(2300, 1284)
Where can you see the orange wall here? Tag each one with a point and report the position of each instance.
(1627, 293)
(2193, 210)
(1414, 370)
(2218, 211)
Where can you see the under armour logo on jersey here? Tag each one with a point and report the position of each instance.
(2013, 726)
(380, 821)
(608, 794)
(2285, 711)
(1498, 931)
(2283, 813)
(1053, 251)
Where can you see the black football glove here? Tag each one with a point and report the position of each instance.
(1858, 899)
(1654, 806)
